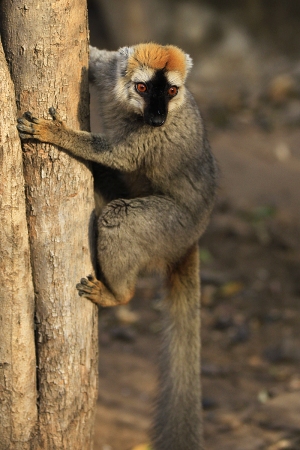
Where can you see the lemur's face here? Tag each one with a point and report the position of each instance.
(156, 93)
(153, 78)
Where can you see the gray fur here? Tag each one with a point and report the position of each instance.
(177, 421)
(157, 188)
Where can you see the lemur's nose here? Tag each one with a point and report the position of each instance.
(157, 121)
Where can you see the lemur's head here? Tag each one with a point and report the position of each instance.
(151, 80)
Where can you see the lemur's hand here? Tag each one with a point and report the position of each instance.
(31, 127)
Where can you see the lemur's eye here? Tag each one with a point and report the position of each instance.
(172, 91)
(141, 87)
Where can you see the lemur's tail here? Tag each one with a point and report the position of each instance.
(177, 423)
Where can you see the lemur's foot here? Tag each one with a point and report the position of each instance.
(31, 127)
(98, 293)
(91, 288)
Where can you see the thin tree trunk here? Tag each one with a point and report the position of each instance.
(18, 411)
(46, 47)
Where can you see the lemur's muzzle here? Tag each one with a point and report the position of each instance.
(156, 112)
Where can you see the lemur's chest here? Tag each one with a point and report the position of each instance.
(138, 184)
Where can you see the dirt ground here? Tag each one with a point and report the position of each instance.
(250, 258)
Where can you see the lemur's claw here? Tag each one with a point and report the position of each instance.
(91, 278)
(28, 115)
(55, 115)
(24, 136)
(52, 112)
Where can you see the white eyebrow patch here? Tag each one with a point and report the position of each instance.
(143, 74)
(174, 78)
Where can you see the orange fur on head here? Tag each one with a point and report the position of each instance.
(158, 56)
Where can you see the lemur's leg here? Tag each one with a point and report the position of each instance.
(131, 235)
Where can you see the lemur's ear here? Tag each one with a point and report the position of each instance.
(124, 54)
(189, 63)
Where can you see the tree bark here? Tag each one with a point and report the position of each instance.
(46, 47)
(18, 411)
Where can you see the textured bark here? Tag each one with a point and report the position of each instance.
(18, 412)
(46, 46)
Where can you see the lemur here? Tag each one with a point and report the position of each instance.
(155, 185)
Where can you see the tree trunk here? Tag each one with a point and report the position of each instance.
(18, 412)
(46, 47)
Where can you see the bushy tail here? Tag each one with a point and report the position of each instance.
(177, 423)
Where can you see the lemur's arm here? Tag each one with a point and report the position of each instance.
(89, 146)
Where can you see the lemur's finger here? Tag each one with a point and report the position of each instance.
(28, 115)
(25, 126)
(92, 279)
(25, 136)
(23, 121)
(83, 288)
(54, 114)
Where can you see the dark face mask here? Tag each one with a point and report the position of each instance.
(156, 94)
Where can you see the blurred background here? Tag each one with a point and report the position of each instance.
(246, 80)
